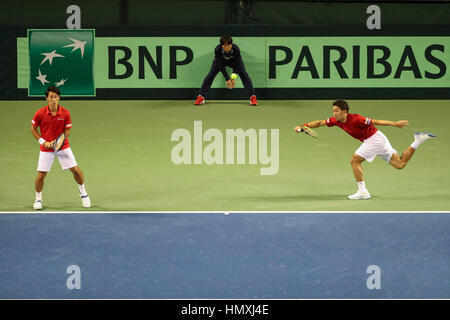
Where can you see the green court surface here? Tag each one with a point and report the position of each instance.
(124, 149)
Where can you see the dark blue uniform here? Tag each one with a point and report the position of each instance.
(231, 59)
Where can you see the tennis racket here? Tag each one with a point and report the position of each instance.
(307, 130)
(58, 143)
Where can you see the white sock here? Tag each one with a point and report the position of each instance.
(39, 196)
(82, 189)
(362, 186)
(416, 144)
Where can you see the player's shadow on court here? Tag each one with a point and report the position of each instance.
(445, 198)
(71, 207)
(297, 197)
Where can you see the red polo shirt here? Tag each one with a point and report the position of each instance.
(357, 126)
(51, 126)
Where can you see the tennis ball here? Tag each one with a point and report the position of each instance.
(233, 76)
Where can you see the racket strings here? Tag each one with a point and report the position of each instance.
(59, 142)
(310, 132)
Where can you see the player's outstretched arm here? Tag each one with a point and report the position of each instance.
(312, 124)
(315, 124)
(398, 124)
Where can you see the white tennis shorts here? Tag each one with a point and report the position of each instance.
(376, 145)
(65, 157)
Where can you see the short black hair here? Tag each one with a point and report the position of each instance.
(52, 89)
(226, 39)
(342, 104)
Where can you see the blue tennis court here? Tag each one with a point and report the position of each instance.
(216, 256)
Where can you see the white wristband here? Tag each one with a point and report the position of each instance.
(42, 141)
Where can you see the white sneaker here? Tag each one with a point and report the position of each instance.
(86, 201)
(423, 136)
(359, 196)
(37, 205)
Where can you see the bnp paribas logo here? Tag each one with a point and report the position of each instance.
(61, 58)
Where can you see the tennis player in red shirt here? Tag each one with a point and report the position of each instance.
(374, 142)
(52, 121)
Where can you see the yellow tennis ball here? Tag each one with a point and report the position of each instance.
(233, 76)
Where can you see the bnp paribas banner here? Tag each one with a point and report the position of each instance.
(62, 58)
(272, 62)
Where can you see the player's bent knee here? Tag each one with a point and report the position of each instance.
(354, 161)
(398, 165)
(76, 171)
(41, 174)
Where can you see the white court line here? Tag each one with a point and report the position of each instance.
(221, 212)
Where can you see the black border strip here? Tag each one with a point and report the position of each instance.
(261, 93)
(277, 308)
(280, 93)
(362, 1)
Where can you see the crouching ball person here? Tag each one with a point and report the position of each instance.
(52, 120)
(227, 54)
